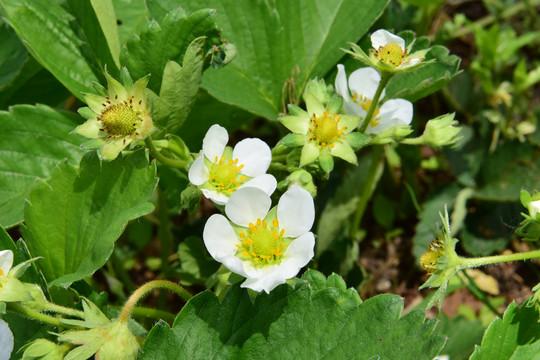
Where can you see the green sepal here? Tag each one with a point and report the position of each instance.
(310, 152)
(326, 160)
(296, 110)
(86, 112)
(293, 140)
(357, 140)
(14, 290)
(334, 104)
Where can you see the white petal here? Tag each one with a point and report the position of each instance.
(364, 82)
(392, 113)
(234, 264)
(382, 37)
(341, 83)
(254, 154)
(198, 173)
(353, 108)
(247, 205)
(265, 182)
(266, 283)
(6, 341)
(6, 261)
(295, 212)
(297, 255)
(214, 142)
(216, 197)
(219, 237)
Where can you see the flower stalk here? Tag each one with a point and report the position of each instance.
(145, 289)
(385, 78)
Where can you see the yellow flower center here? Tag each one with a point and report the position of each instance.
(365, 103)
(262, 244)
(391, 54)
(1, 272)
(120, 119)
(325, 130)
(225, 174)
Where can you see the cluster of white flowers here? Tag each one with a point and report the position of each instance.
(266, 246)
(359, 91)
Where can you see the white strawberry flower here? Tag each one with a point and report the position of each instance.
(6, 341)
(220, 170)
(266, 246)
(358, 94)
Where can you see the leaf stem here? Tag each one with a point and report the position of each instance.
(373, 175)
(385, 77)
(164, 159)
(36, 315)
(145, 289)
(58, 309)
(465, 263)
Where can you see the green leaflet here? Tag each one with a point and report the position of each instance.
(168, 40)
(280, 44)
(33, 139)
(314, 319)
(73, 219)
(515, 336)
(69, 53)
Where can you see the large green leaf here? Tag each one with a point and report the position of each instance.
(504, 338)
(74, 218)
(131, 16)
(53, 36)
(281, 45)
(33, 139)
(95, 23)
(158, 43)
(12, 54)
(315, 319)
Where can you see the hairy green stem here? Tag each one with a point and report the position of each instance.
(58, 309)
(385, 77)
(164, 159)
(465, 263)
(374, 172)
(36, 315)
(144, 312)
(145, 289)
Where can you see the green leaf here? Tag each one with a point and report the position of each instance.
(12, 54)
(206, 112)
(510, 168)
(131, 17)
(300, 322)
(179, 89)
(196, 265)
(504, 337)
(281, 45)
(74, 218)
(462, 335)
(419, 83)
(169, 40)
(33, 139)
(96, 24)
(56, 46)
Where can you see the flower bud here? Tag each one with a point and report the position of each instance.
(42, 349)
(441, 131)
